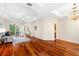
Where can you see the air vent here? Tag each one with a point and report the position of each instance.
(29, 4)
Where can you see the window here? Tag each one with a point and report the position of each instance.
(12, 28)
(1, 26)
(17, 30)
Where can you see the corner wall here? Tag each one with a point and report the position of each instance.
(68, 30)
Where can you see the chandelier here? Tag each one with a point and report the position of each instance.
(74, 15)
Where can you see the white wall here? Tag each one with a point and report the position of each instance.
(68, 30)
(37, 33)
(45, 28)
(48, 28)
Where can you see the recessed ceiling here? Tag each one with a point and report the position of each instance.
(26, 13)
(17, 11)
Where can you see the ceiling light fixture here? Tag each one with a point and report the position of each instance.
(29, 4)
(74, 15)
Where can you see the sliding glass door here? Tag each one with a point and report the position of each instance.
(14, 29)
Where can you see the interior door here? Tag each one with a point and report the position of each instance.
(55, 31)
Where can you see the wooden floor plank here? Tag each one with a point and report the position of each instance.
(38, 47)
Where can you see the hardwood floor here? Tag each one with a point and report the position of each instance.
(38, 47)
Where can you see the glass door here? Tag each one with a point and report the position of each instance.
(12, 28)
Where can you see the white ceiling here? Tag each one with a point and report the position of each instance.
(23, 12)
(51, 9)
(17, 11)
